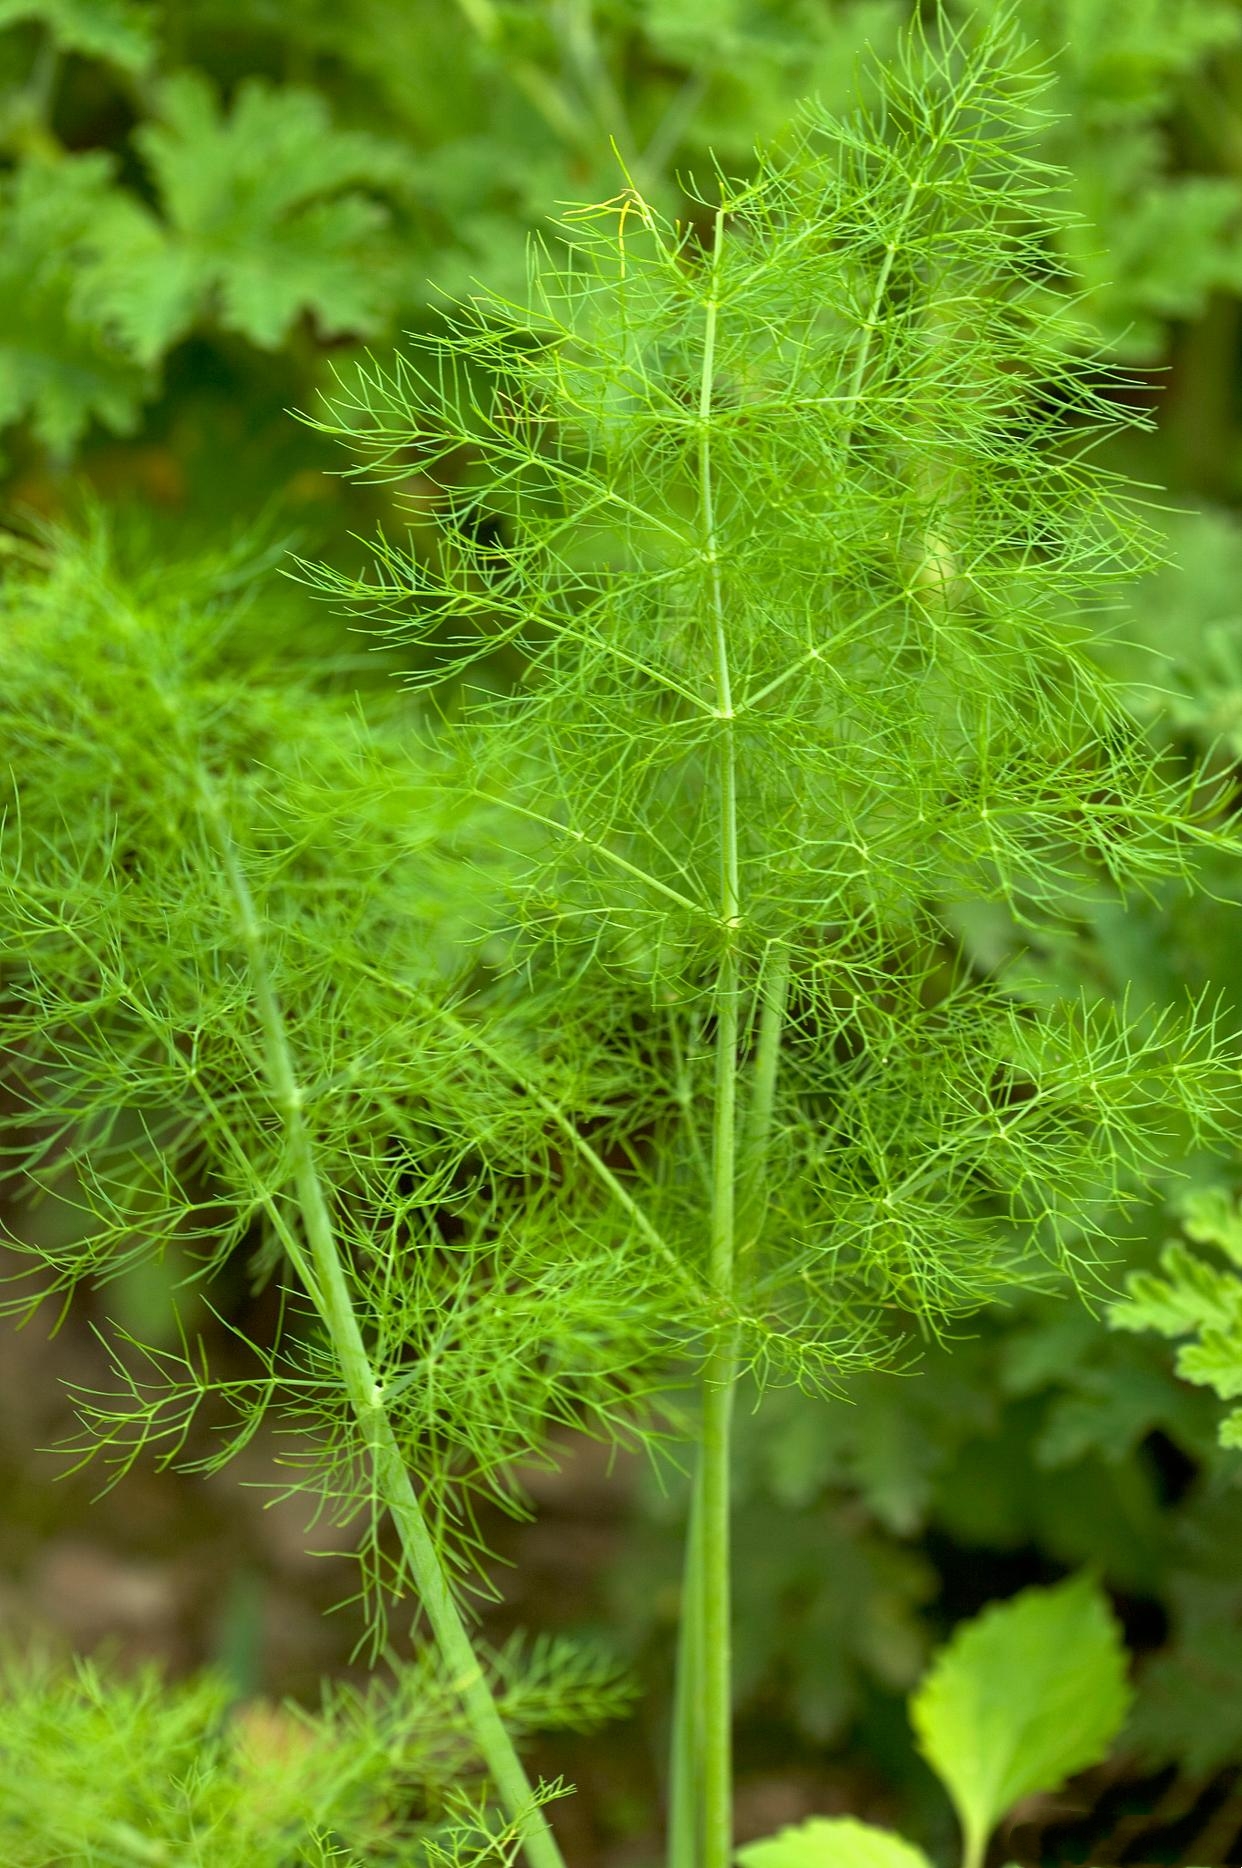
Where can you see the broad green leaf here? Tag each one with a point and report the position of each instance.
(1192, 1297)
(1189, 1710)
(1212, 1217)
(264, 217)
(58, 368)
(1111, 1409)
(1188, 1294)
(144, 286)
(1031, 1691)
(832, 1842)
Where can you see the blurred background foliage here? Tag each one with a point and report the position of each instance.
(207, 207)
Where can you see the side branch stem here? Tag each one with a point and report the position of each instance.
(331, 1295)
(760, 1114)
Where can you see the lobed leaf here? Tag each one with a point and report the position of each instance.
(1028, 1693)
(268, 212)
(58, 366)
(832, 1842)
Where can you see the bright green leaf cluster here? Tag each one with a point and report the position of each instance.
(202, 791)
(1192, 1296)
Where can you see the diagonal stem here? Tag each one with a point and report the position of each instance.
(331, 1295)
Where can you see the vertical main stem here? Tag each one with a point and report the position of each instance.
(701, 1829)
(715, 1615)
(331, 1296)
(687, 1738)
(703, 1738)
(714, 1605)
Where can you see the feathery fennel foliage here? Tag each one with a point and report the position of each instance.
(230, 945)
(135, 1771)
(618, 1031)
(793, 517)
(125, 1772)
(1197, 1298)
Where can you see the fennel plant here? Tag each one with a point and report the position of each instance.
(793, 515)
(613, 1030)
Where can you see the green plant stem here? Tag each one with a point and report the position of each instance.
(758, 1137)
(701, 1793)
(331, 1295)
(715, 1676)
(702, 1749)
(686, 1757)
(716, 1670)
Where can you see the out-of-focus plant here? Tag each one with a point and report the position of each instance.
(130, 1772)
(1198, 1298)
(295, 178)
